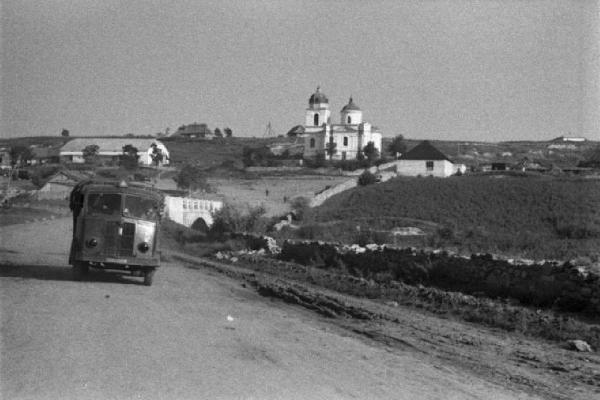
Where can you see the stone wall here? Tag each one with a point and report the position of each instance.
(321, 197)
(549, 285)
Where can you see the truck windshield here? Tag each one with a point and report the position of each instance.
(139, 207)
(104, 203)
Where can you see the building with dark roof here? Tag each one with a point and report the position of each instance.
(349, 137)
(60, 185)
(425, 160)
(194, 130)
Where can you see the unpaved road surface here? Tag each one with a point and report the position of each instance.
(195, 334)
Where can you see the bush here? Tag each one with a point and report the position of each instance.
(200, 225)
(367, 178)
(365, 237)
(300, 205)
(192, 177)
(319, 161)
(352, 165)
(229, 220)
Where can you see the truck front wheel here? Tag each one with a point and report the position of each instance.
(149, 277)
(80, 270)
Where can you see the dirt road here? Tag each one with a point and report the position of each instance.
(194, 334)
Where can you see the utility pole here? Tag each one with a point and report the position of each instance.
(269, 131)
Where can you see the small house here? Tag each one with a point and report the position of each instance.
(5, 158)
(59, 186)
(425, 160)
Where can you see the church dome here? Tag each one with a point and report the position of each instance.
(351, 106)
(318, 97)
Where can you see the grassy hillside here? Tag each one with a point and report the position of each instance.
(528, 216)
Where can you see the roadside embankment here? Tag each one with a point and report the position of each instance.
(562, 286)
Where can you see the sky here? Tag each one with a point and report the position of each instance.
(450, 70)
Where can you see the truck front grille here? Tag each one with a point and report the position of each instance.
(116, 245)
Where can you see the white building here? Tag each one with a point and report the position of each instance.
(426, 160)
(575, 139)
(112, 148)
(187, 210)
(350, 136)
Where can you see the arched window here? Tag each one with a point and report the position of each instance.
(312, 142)
(316, 119)
(349, 120)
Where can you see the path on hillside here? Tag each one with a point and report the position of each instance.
(194, 334)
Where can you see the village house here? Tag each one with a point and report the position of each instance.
(5, 158)
(194, 130)
(425, 160)
(60, 185)
(350, 136)
(574, 139)
(112, 148)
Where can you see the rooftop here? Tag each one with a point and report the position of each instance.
(424, 151)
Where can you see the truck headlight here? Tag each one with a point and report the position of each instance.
(143, 247)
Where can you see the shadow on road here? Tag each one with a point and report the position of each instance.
(62, 273)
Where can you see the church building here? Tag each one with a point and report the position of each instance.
(350, 136)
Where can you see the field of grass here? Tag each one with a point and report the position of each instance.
(211, 153)
(537, 217)
(21, 214)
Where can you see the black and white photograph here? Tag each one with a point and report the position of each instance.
(307, 199)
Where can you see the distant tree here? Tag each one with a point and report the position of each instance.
(371, 152)
(366, 178)
(229, 219)
(218, 132)
(398, 145)
(228, 132)
(156, 155)
(192, 177)
(90, 153)
(300, 206)
(130, 157)
(19, 155)
(257, 156)
(331, 148)
(64, 133)
(247, 156)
